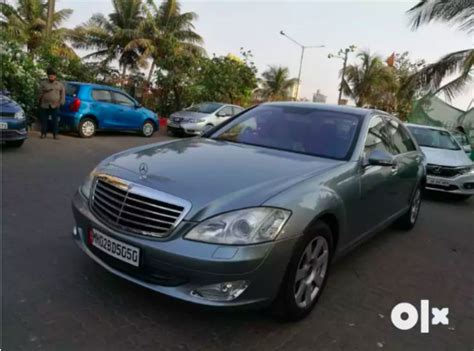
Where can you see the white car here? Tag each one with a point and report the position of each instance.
(449, 168)
(201, 117)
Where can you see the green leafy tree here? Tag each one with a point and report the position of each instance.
(26, 24)
(166, 31)
(110, 36)
(228, 78)
(458, 13)
(276, 83)
(368, 81)
(19, 74)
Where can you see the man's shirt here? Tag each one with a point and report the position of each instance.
(52, 95)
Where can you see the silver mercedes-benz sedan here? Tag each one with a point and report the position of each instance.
(253, 212)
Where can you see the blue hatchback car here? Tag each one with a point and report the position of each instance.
(12, 121)
(92, 107)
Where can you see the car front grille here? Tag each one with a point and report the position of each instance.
(444, 171)
(134, 212)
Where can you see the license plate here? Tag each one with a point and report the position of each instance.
(3, 125)
(435, 181)
(116, 248)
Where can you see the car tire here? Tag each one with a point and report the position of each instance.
(148, 129)
(298, 295)
(15, 143)
(408, 220)
(87, 128)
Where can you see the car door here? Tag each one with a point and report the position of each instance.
(378, 184)
(129, 116)
(224, 114)
(103, 107)
(407, 162)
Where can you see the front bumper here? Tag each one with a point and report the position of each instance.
(187, 128)
(13, 134)
(176, 267)
(462, 184)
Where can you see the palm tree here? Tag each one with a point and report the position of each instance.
(458, 13)
(276, 84)
(370, 83)
(27, 23)
(167, 31)
(110, 37)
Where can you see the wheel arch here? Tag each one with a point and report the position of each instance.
(91, 116)
(329, 218)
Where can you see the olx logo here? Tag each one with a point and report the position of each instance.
(405, 316)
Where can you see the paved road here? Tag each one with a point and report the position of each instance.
(56, 298)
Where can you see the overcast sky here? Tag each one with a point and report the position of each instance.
(381, 26)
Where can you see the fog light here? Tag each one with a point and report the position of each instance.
(226, 291)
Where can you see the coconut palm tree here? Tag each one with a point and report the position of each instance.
(110, 36)
(276, 84)
(369, 83)
(27, 23)
(458, 13)
(167, 31)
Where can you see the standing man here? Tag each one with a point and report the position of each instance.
(52, 96)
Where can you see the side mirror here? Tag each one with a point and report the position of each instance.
(380, 158)
(467, 149)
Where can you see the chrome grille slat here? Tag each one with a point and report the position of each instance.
(137, 209)
(148, 218)
(153, 205)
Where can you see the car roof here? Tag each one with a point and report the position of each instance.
(94, 85)
(327, 107)
(425, 127)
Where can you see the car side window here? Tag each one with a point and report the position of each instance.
(377, 137)
(124, 100)
(400, 140)
(102, 95)
(236, 110)
(225, 112)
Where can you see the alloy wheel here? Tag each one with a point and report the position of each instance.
(148, 129)
(88, 128)
(415, 206)
(311, 271)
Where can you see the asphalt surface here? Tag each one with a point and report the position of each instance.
(55, 298)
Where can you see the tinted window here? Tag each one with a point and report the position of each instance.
(298, 129)
(435, 138)
(236, 110)
(377, 137)
(207, 107)
(226, 112)
(401, 140)
(72, 89)
(102, 95)
(123, 100)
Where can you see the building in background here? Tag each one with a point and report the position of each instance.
(318, 97)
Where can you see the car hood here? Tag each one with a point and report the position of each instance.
(188, 114)
(443, 157)
(215, 176)
(7, 105)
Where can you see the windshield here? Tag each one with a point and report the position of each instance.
(298, 129)
(439, 139)
(207, 107)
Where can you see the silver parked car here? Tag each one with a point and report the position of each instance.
(449, 169)
(201, 117)
(253, 212)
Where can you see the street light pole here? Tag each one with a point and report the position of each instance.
(342, 54)
(303, 48)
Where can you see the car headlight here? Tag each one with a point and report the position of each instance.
(465, 170)
(20, 115)
(85, 188)
(241, 227)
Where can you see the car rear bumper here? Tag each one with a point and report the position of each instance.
(463, 184)
(178, 267)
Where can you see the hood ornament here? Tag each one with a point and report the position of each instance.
(143, 170)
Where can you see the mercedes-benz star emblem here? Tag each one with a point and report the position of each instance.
(143, 169)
